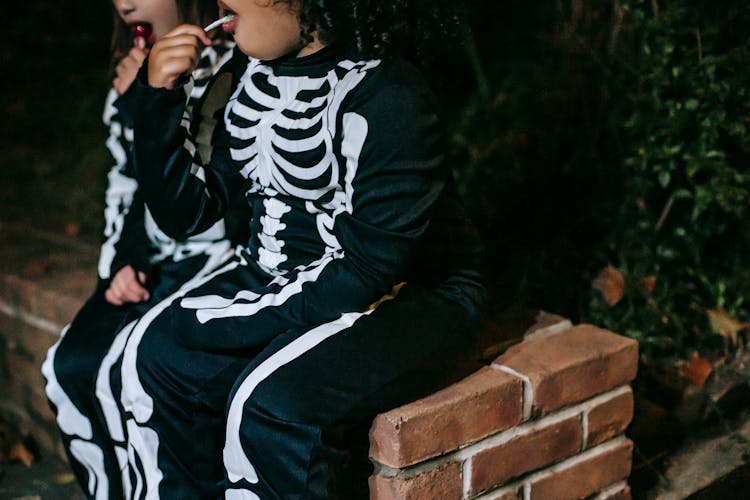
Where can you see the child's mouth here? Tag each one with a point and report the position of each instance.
(224, 11)
(142, 33)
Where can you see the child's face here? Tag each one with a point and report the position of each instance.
(264, 29)
(162, 14)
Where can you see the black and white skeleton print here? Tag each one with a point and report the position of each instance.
(131, 236)
(341, 162)
(77, 368)
(311, 143)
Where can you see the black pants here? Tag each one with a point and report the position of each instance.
(299, 414)
(79, 376)
(280, 418)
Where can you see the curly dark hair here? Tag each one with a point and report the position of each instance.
(381, 28)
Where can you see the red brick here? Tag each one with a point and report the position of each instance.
(524, 453)
(39, 405)
(26, 341)
(547, 324)
(38, 345)
(13, 330)
(573, 366)
(48, 440)
(35, 299)
(609, 419)
(515, 493)
(15, 393)
(25, 373)
(53, 294)
(443, 482)
(622, 494)
(483, 403)
(9, 293)
(22, 293)
(24, 384)
(586, 477)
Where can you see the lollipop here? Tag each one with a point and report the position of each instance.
(218, 22)
(141, 34)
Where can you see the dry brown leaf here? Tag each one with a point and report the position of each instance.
(19, 452)
(611, 284)
(36, 267)
(388, 296)
(647, 284)
(63, 478)
(696, 370)
(725, 325)
(72, 229)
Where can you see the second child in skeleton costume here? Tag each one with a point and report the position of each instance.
(340, 156)
(138, 266)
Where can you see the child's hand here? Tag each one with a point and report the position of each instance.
(175, 54)
(127, 68)
(127, 287)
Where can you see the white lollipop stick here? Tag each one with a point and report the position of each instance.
(218, 23)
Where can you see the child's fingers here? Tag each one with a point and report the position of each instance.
(166, 66)
(128, 65)
(177, 65)
(113, 295)
(138, 55)
(112, 298)
(125, 287)
(119, 86)
(133, 289)
(177, 40)
(181, 51)
(130, 289)
(127, 69)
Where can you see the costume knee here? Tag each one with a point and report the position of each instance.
(74, 370)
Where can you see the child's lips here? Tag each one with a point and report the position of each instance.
(230, 25)
(223, 11)
(142, 33)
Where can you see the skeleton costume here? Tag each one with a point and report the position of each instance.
(307, 331)
(131, 237)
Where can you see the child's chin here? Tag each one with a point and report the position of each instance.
(253, 51)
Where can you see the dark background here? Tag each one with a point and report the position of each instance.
(524, 138)
(582, 134)
(56, 73)
(55, 76)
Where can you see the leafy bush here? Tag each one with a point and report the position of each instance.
(615, 133)
(687, 184)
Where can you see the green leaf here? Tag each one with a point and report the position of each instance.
(664, 178)
(691, 104)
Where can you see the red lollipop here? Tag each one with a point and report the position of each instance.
(141, 34)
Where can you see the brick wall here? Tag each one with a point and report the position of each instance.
(544, 419)
(44, 279)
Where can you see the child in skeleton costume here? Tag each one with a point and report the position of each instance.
(138, 265)
(308, 330)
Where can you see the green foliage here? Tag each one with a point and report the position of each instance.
(616, 132)
(583, 133)
(686, 185)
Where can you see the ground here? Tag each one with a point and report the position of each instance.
(49, 479)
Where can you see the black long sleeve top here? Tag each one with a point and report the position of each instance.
(131, 236)
(342, 163)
